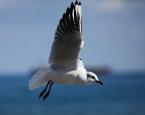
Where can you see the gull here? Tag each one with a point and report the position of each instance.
(64, 65)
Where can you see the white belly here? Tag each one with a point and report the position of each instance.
(70, 77)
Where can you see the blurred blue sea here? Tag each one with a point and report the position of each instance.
(122, 94)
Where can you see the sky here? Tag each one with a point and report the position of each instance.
(113, 31)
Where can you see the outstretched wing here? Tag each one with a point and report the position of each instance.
(68, 40)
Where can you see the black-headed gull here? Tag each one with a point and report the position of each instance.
(64, 66)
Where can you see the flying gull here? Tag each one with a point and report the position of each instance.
(65, 66)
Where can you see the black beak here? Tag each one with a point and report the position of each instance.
(101, 83)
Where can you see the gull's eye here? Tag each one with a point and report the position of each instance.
(90, 76)
(93, 77)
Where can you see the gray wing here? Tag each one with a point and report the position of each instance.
(68, 40)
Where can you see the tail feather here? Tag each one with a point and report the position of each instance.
(38, 79)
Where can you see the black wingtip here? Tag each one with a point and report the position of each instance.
(72, 5)
(67, 11)
(64, 15)
(76, 3)
(79, 3)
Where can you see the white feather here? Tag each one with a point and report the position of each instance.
(38, 79)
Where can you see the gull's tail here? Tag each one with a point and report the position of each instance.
(39, 78)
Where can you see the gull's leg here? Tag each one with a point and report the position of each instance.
(44, 90)
(48, 92)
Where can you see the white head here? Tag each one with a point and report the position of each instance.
(92, 77)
